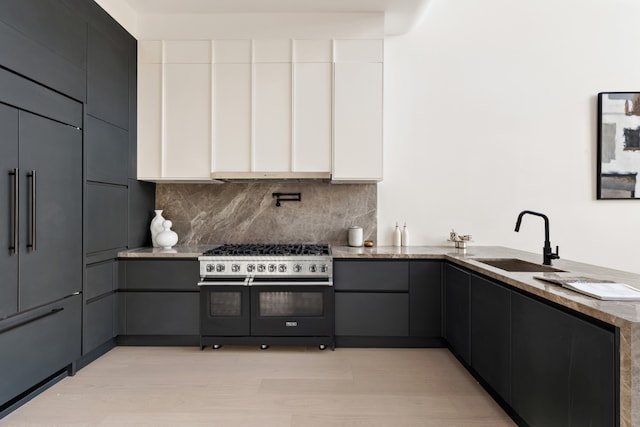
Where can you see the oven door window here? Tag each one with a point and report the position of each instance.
(225, 303)
(287, 304)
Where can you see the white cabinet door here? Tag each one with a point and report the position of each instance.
(357, 149)
(272, 123)
(232, 118)
(187, 121)
(313, 88)
(149, 121)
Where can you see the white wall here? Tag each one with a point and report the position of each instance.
(490, 108)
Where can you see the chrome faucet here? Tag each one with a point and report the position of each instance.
(547, 254)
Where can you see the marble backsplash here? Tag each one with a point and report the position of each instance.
(247, 212)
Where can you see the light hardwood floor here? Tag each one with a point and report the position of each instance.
(281, 386)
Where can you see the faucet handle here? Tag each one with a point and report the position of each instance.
(557, 254)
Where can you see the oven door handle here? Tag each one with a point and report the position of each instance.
(245, 282)
(283, 283)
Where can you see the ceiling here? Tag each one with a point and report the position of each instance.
(401, 16)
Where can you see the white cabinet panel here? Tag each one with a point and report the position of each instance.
(271, 51)
(187, 52)
(187, 121)
(149, 120)
(358, 51)
(149, 52)
(312, 117)
(272, 123)
(357, 150)
(312, 51)
(232, 51)
(232, 118)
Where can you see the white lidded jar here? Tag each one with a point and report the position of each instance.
(356, 236)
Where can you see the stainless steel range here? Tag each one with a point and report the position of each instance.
(266, 294)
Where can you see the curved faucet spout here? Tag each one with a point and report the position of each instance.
(541, 215)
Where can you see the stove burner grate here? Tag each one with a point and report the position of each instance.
(278, 249)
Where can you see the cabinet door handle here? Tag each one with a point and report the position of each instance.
(32, 245)
(14, 212)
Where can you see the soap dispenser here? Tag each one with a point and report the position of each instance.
(397, 238)
(405, 235)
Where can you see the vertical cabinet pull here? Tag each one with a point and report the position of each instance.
(32, 244)
(15, 229)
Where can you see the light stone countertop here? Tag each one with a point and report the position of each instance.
(623, 314)
(159, 253)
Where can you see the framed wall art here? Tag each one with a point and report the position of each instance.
(618, 145)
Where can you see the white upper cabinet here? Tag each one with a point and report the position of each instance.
(187, 119)
(174, 110)
(232, 106)
(150, 110)
(260, 109)
(312, 105)
(357, 137)
(272, 105)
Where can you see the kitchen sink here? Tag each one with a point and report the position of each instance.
(517, 265)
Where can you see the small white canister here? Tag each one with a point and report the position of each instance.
(356, 236)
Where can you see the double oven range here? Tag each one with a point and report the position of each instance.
(262, 294)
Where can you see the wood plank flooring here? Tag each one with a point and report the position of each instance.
(281, 386)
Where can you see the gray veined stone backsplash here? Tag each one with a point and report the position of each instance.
(242, 213)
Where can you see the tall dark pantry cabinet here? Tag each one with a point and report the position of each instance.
(69, 198)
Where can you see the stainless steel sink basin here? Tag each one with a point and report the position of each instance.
(517, 265)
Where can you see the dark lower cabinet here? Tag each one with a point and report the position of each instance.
(388, 303)
(564, 369)
(363, 314)
(100, 305)
(38, 344)
(161, 313)
(159, 298)
(457, 328)
(491, 334)
(425, 299)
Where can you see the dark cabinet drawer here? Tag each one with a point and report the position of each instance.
(182, 275)
(100, 324)
(371, 314)
(100, 279)
(38, 344)
(161, 313)
(366, 275)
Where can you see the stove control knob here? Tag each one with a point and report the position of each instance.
(262, 268)
(272, 268)
(297, 268)
(251, 268)
(313, 268)
(235, 268)
(282, 268)
(210, 268)
(220, 268)
(324, 268)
